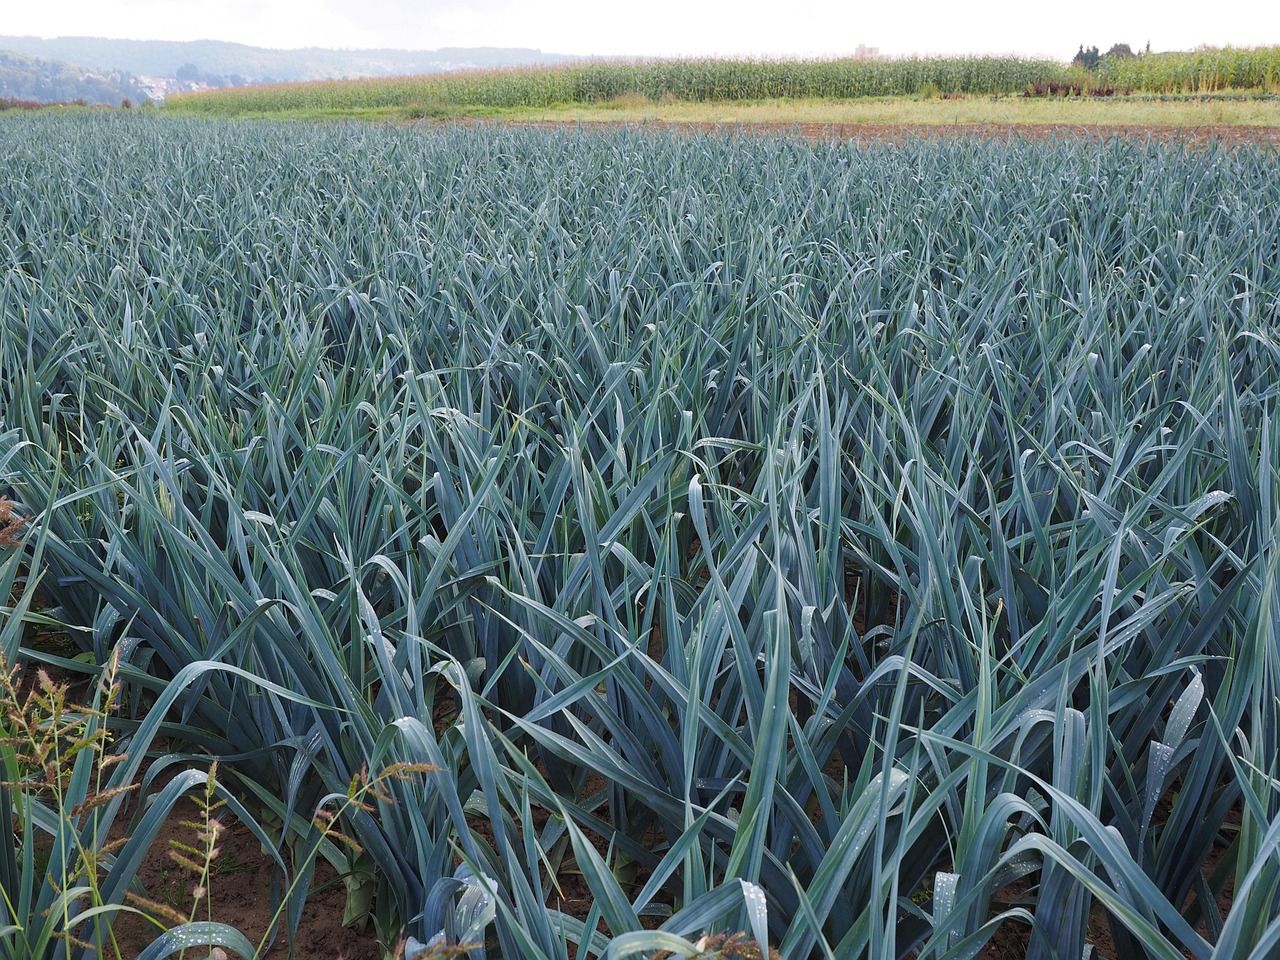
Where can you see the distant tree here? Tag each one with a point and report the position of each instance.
(1087, 58)
(52, 81)
(188, 73)
(1121, 51)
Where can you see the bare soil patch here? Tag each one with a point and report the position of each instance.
(900, 133)
(239, 894)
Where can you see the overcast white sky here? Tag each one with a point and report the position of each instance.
(668, 27)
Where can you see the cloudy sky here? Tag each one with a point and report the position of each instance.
(668, 27)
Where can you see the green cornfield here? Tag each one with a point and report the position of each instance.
(871, 550)
(693, 80)
(1197, 71)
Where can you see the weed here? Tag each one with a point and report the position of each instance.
(721, 946)
(10, 523)
(57, 761)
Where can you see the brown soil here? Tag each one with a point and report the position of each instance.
(239, 895)
(898, 133)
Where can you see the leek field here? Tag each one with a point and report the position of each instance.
(854, 551)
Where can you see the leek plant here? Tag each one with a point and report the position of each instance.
(843, 550)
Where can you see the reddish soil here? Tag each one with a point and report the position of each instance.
(239, 895)
(897, 133)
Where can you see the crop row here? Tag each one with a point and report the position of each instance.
(694, 80)
(1198, 71)
(722, 79)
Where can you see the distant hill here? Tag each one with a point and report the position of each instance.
(217, 63)
(31, 78)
